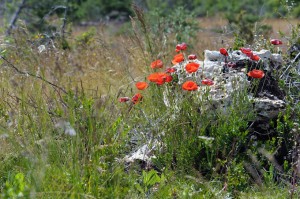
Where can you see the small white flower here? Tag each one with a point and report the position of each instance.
(66, 126)
(69, 130)
(206, 138)
(41, 48)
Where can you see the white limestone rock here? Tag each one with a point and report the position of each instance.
(237, 55)
(265, 55)
(213, 56)
(268, 108)
(277, 58)
(211, 69)
(143, 153)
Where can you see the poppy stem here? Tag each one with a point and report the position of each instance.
(225, 67)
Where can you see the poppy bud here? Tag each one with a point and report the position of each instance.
(183, 46)
(124, 99)
(192, 57)
(223, 51)
(170, 70)
(207, 82)
(276, 42)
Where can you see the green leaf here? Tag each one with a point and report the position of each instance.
(150, 178)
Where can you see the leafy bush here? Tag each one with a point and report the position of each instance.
(85, 10)
(97, 10)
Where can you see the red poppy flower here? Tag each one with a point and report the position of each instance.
(159, 78)
(189, 86)
(255, 57)
(192, 67)
(178, 47)
(157, 64)
(250, 54)
(276, 42)
(246, 50)
(256, 74)
(178, 58)
(160, 81)
(182, 46)
(223, 51)
(136, 98)
(207, 82)
(168, 78)
(124, 99)
(141, 85)
(170, 70)
(153, 77)
(192, 57)
(163, 78)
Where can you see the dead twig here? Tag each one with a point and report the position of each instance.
(63, 26)
(15, 17)
(291, 64)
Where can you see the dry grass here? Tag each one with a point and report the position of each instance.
(122, 62)
(283, 25)
(115, 61)
(213, 34)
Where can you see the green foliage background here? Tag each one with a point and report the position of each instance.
(96, 9)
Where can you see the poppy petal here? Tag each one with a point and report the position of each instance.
(157, 64)
(192, 67)
(189, 86)
(256, 74)
(223, 51)
(141, 85)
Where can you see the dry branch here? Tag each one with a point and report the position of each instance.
(15, 17)
(32, 75)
